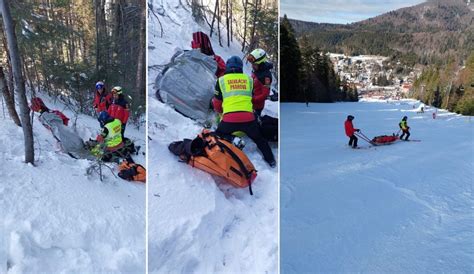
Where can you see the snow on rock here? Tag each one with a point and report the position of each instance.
(406, 207)
(197, 223)
(56, 218)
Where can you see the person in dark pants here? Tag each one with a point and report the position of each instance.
(233, 98)
(350, 131)
(405, 128)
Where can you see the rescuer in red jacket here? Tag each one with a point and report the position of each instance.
(350, 130)
(119, 108)
(102, 98)
(262, 79)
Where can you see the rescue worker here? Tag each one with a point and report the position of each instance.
(119, 108)
(350, 131)
(110, 136)
(233, 98)
(405, 128)
(102, 98)
(262, 79)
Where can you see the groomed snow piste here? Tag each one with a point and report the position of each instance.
(57, 219)
(401, 208)
(198, 225)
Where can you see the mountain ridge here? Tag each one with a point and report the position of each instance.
(425, 33)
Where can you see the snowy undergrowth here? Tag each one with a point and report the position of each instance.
(196, 223)
(406, 207)
(56, 218)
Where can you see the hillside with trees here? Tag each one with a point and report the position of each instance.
(66, 46)
(426, 33)
(450, 86)
(308, 74)
(435, 36)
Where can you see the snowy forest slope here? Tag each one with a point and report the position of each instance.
(56, 218)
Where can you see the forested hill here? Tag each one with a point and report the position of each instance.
(426, 33)
(67, 46)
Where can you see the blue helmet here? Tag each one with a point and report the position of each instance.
(99, 85)
(103, 117)
(234, 62)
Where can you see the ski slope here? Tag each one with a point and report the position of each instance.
(401, 208)
(198, 224)
(57, 219)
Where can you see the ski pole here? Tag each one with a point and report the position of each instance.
(363, 137)
(367, 138)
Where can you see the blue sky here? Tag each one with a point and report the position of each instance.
(340, 11)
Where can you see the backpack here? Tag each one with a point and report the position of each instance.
(269, 128)
(132, 172)
(216, 156)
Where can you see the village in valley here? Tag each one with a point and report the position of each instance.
(374, 76)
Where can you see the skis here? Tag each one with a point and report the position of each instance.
(411, 140)
(368, 147)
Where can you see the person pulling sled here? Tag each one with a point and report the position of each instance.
(404, 128)
(350, 131)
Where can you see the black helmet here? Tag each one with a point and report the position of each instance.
(103, 118)
(404, 118)
(350, 117)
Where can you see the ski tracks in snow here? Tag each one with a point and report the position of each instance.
(401, 206)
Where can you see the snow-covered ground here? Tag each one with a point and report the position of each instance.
(57, 219)
(197, 225)
(401, 208)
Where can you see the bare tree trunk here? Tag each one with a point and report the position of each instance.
(8, 99)
(102, 47)
(227, 22)
(214, 17)
(140, 81)
(254, 25)
(9, 66)
(19, 81)
(245, 24)
(97, 41)
(231, 20)
(218, 24)
(38, 80)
